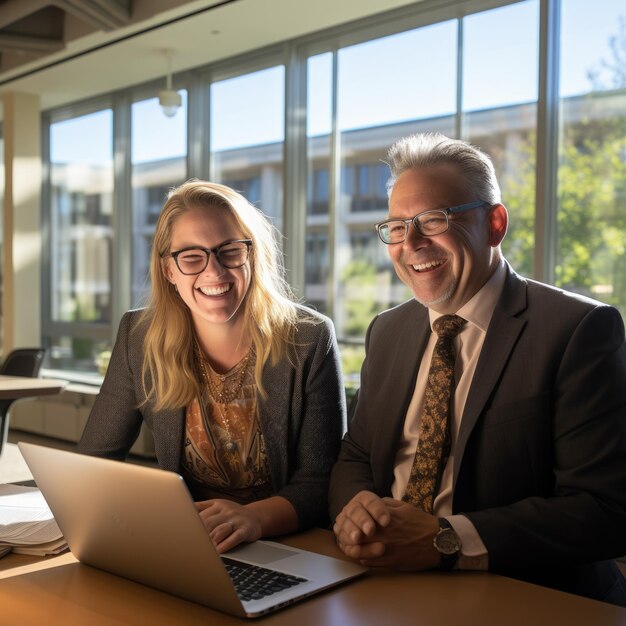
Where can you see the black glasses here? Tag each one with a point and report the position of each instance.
(428, 223)
(194, 260)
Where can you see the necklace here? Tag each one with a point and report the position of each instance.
(223, 396)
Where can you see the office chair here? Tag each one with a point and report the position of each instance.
(22, 362)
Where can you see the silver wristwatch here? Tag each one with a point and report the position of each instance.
(448, 544)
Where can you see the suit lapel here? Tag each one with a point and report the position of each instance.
(502, 334)
(398, 372)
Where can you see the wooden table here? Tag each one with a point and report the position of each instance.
(59, 590)
(24, 387)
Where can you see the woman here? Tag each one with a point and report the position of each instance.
(240, 386)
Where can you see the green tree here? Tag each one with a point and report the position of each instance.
(359, 281)
(360, 305)
(591, 188)
(591, 217)
(592, 185)
(518, 192)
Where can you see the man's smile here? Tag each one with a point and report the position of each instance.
(429, 266)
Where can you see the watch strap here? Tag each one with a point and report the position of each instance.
(448, 561)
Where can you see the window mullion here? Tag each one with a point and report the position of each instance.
(121, 287)
(294, 179)
(546, 199)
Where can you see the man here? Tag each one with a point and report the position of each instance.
(509, 452)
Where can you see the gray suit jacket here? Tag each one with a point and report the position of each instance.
(302, 419)
(540, 461)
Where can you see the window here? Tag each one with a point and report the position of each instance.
(159, 162)
(317, 267)
(366, 86)
(318, 132)
(319, 193)
(81, 210)
(502, 120)
(591, 218)
(247, 134)
(382, 95)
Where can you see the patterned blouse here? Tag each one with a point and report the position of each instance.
(224, 453)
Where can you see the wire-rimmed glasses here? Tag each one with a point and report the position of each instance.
(428, 223)
(194, 259)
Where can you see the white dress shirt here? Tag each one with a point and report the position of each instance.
(468, 345)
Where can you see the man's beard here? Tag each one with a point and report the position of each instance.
(445, 296)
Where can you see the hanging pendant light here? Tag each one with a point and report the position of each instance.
(169, 99)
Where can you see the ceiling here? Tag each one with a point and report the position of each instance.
(68, 50)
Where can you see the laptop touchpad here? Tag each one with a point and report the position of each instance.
(260, 552)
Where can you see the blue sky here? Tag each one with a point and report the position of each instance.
(401, 77)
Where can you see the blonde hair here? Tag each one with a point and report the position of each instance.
(269, 311)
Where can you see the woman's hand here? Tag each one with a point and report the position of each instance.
(229, 523)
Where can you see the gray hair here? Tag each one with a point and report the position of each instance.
(428, 149)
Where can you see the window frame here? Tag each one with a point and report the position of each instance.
(294, 55)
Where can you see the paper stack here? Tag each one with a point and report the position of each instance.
(26, 523)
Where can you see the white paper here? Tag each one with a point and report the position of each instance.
(26, 522)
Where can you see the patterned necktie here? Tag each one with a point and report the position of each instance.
(433, 446)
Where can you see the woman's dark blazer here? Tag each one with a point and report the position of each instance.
(302, 418)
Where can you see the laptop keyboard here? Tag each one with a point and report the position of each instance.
(253, 582)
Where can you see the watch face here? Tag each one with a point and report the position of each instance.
(447, 541)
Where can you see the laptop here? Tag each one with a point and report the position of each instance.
(141, 523)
